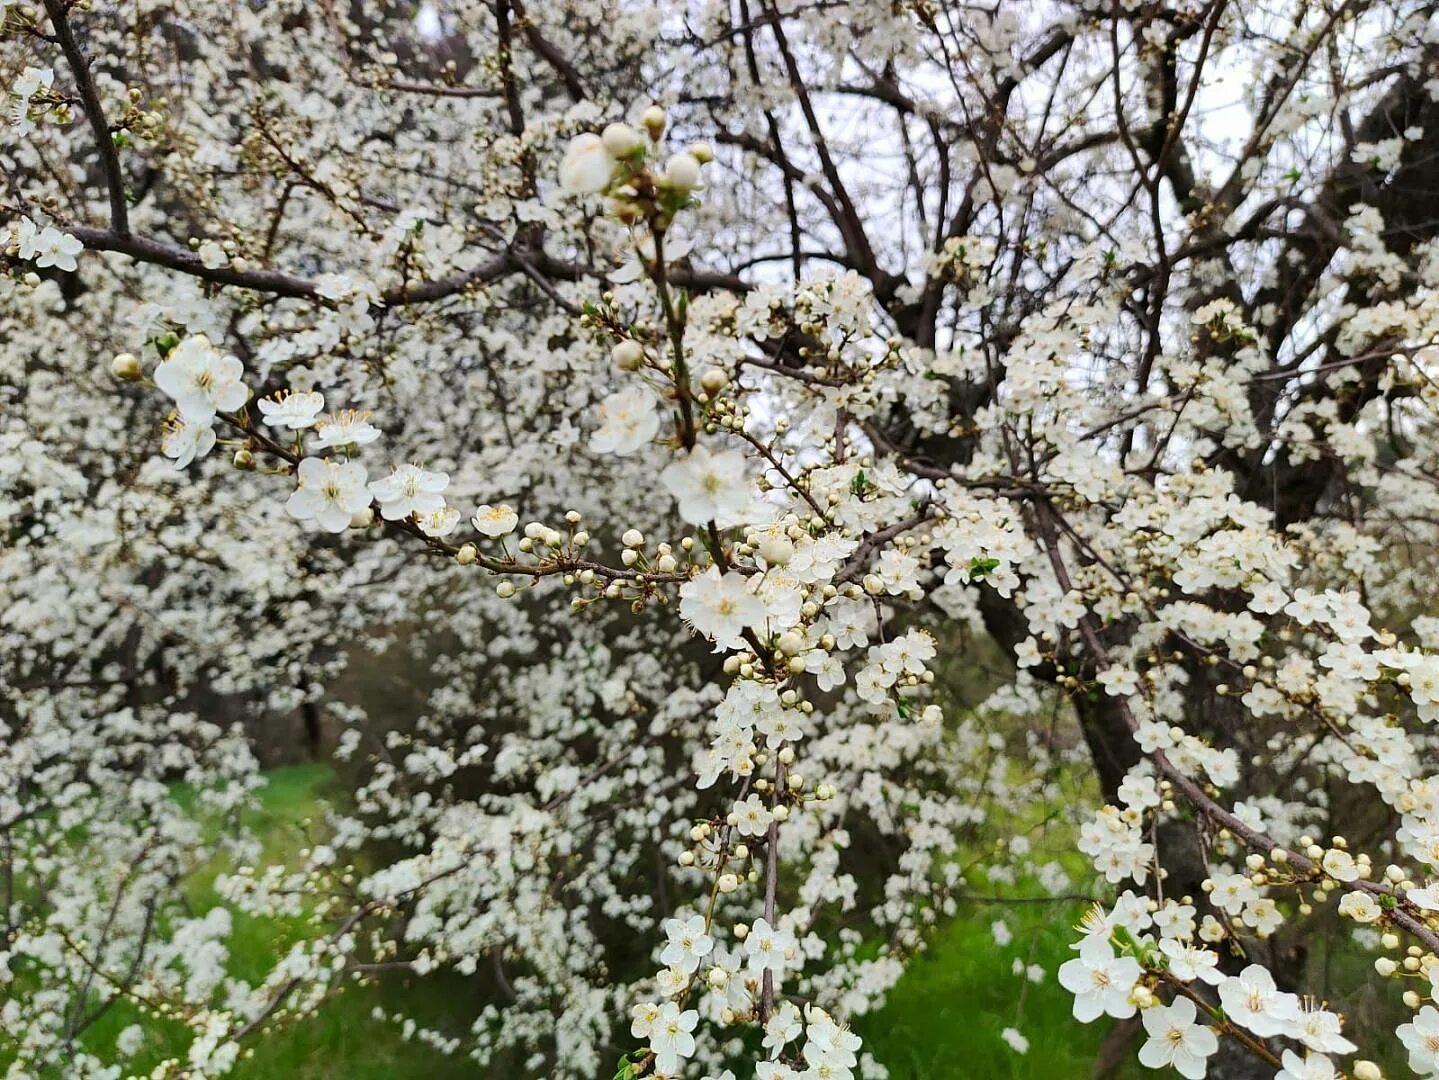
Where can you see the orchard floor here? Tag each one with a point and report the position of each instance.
(941, 1022)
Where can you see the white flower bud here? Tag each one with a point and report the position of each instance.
(126, 366)
(1385, 966)
(714, 380)
(1367, 1070)
(727, 883)
(682, 172)
(628, 355)
(621, 140)
(362, 519)
(466, 555)
(790, 643)
(717, 978)
(654, 121)
(776, 550)
(702, 152)
(505, 589)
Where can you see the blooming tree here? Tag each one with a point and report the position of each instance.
(670, 383)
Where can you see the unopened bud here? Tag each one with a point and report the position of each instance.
(620, 140)
(628, 355)
(126, 366)
(682, 172)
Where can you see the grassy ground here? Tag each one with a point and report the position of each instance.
(942, 1021)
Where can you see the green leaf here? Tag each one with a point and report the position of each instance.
(625, 1070)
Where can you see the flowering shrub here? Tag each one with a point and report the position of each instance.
(675, 441)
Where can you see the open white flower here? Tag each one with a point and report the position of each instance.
(1421, 1039)
(57, 249)
(766, 947)
(345, 428)
(1100, 981)
(329, 493)
(212, 255)
(495, 521)
(185, 440)
(671, 1038)
(292, 409)
(628, 421)
(1176, 1040)
(439, 522)
(201, 380)
(1308, 1067)
(687, 943)
(710, 487)
(1252, 1000)
(408, 490)
(721, 607)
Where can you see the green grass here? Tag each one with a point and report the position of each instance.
(342, 1042)
(944, 1017)
(942, 1021)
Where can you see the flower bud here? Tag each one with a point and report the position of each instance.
(1385, 966)
(790, 643)
(244, 459)
(727, 883)
(628, 355)
(505, 589)
(633, 538)
(126, 366)
(362, 519)
(620, 140)
(654, 121)
(467, 555)
(776, 550)
(682, 172)
(714, 380)
(702, 153)
(1367, 1070)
